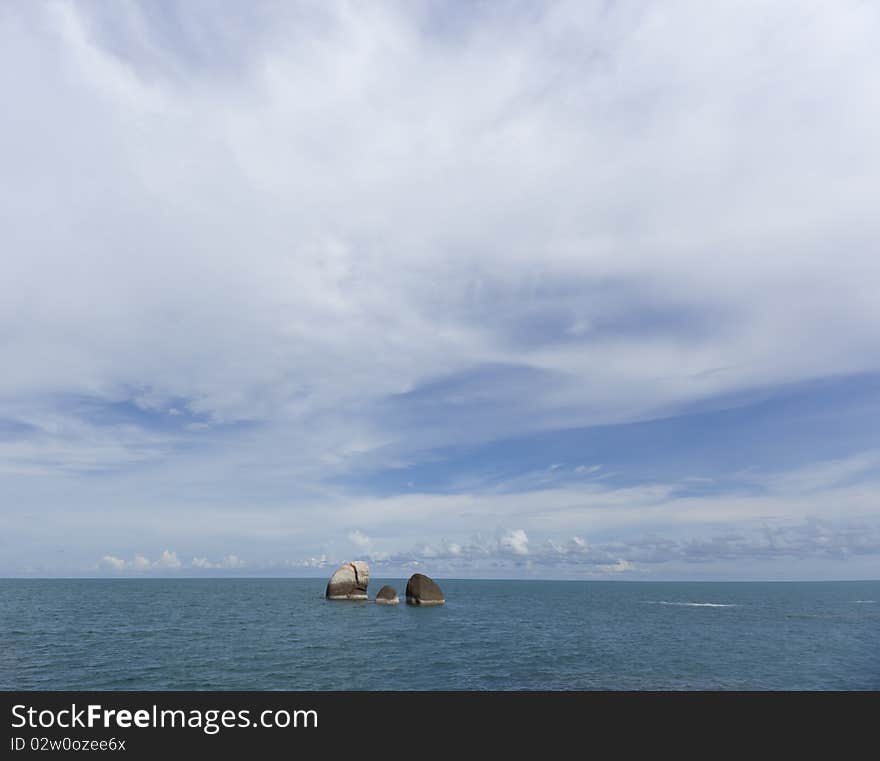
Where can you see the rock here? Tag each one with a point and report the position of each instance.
(421, 590)
(349, 582)
(387, 596)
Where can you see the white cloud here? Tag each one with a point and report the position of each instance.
(621, 566)
(733, 552)
(168, 560)
(117, 564)
(517, 541)
(245, 266)
(312, 562)
(359, 539)
(333, 273)
(580, 519)
(228, 563)
(819, 476)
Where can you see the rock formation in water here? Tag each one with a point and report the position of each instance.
(387, 596)
(421, 590)
(349, 582)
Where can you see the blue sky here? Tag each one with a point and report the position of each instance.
(479, 289)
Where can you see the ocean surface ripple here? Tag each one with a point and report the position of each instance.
(280, 634)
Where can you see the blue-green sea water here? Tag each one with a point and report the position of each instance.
(279, 634)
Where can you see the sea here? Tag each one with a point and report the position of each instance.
(280, 634)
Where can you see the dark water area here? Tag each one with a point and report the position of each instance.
(280, 634)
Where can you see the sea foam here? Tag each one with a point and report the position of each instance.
(698, 604)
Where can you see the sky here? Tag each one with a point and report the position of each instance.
(583, 290)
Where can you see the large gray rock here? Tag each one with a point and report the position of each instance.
(349, 582)
(387, 596)
(421, 590)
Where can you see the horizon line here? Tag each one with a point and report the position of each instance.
(444, 578)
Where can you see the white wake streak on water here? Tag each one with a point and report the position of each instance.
(697, 604)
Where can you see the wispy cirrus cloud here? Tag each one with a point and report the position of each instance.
(522, 233)
(264, 269)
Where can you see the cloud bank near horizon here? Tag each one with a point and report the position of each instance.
(319, 277)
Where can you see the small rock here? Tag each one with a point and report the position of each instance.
(387, 596)
(421, 590)
(349, 582)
